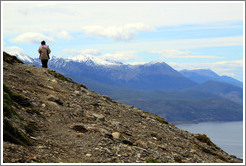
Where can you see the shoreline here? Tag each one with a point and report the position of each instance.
(228, 132)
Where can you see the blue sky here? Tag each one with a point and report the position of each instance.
(186, 35)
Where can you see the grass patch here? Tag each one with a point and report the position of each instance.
(152, 161)
(31, 128)
(8, 111)
(13, 135)
(10, 97)
(204, 149)
(33, 111)
(63, 78)
(59, 76)
(203, 138)
(161, 120)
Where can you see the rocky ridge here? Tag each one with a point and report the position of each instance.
(49, 118)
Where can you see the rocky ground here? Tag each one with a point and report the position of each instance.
(61, 121)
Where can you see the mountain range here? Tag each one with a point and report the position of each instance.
(204, 75)
(178, 96)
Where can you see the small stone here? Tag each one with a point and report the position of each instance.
(32, 158)
(84, 90)
(43, 105)
(104, 131)
(107, 150)
(79, 134)
(117, 124)
(99, 117)
(140, 143)
(77, 93)
(13, 75)
(88, 155)
(41, 147)
(116, 135)
(34, 138)
(54, 80)
(34, 104)
(50, 87)
(162, 147)
(89, 117)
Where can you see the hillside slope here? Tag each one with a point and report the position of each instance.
(51, 119)
(221, 89)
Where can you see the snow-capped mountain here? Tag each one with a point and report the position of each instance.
(148, 76)
(92, 60)
(16, 51)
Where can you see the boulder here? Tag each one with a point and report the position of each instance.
(55, 99)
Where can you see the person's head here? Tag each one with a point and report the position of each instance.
(43, 42)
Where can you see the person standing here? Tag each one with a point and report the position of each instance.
(44, 52)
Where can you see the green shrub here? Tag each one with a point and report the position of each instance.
(10, 97)
(13, 135)
(8, 111)
(161, 120)
(10, 132)
(31, 128)
(209, 151)
(59, 76)
(205, 139)
(32, 111)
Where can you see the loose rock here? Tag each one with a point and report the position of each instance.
(116, 135)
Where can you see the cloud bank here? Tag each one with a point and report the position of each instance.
(182, 54)
(32, 37)
(116, 33)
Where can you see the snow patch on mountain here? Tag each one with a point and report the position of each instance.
(92, 60)
(18, 52)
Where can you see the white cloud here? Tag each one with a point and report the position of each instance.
(3, 44)
(117, 33)
(122, 56)
(222, 65)
(147, 46)
(73, 15)
(63, 35)
(73, 52)
(13, 49)
(32, 37)
(182, 54)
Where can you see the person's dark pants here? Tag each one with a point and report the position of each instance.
(44, 63)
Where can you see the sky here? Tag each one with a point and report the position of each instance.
(185, 35)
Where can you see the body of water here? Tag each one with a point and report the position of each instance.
(227, 135)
